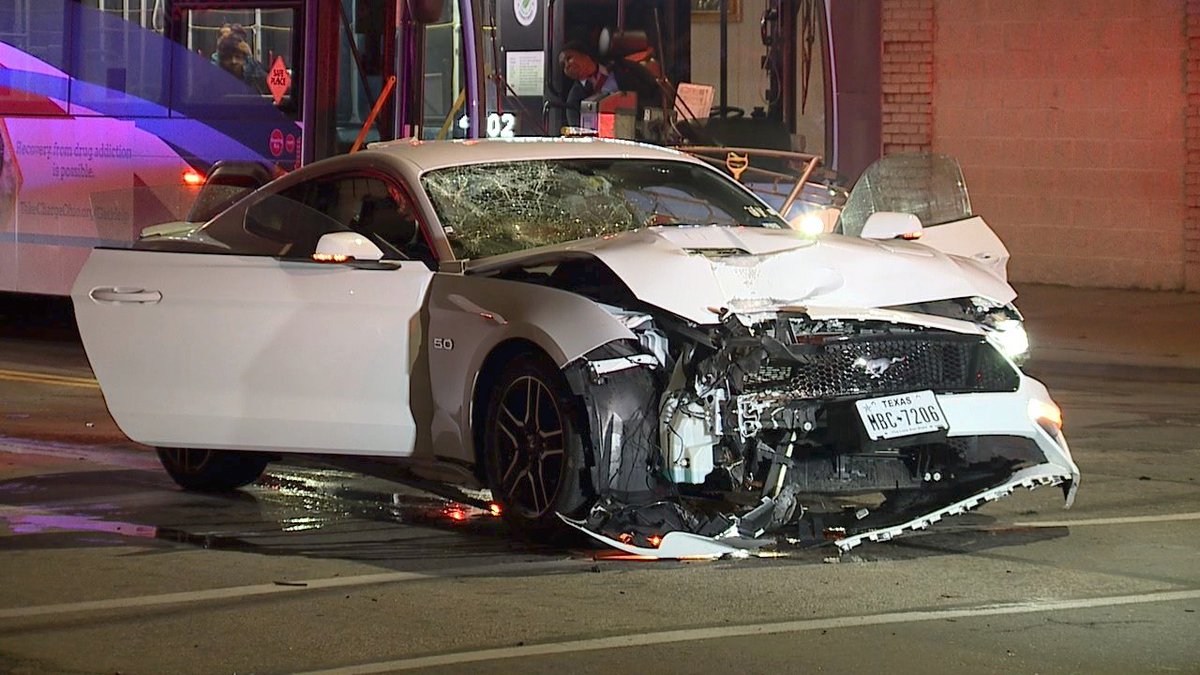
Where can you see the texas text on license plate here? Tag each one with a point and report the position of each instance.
(916, 412)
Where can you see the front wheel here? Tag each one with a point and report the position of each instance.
(534, 453)
(212, 470)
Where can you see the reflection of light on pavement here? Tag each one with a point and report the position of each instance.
(461, 513)
(302, 524)
(37, 523)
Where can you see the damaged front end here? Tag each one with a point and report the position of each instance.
(804, 426)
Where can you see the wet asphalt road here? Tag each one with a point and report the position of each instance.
(106, 567)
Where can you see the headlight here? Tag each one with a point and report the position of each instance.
(812, 225)
(1010, 337)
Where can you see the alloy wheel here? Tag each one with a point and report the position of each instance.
(530, 440)
(189, 460)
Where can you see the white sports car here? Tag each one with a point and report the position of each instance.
(609, 336)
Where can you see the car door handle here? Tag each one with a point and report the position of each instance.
(125, 294)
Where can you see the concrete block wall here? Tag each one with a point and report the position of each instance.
(907, 77)
(1077, 123)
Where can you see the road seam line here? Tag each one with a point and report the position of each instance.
(213, 594)
(1122, 520)
(722, 632)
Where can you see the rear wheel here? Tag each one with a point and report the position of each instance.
(534, 453)
(212, 470)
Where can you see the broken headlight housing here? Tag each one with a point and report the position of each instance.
(1002, 322)
(1010, 338)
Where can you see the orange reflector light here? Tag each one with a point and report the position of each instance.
(494, 509)
(331, 257)
(193, 177)
(455, 513)
(1043, 411)
(655, 540)
(910, 236)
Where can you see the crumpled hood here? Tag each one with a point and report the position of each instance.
(688, 270)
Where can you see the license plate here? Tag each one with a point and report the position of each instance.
(916, 412)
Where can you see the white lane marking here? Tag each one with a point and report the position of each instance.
(700, 634)
(213, 594)
(1124, 520)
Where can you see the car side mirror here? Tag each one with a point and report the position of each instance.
(890, 225)
(344, 246)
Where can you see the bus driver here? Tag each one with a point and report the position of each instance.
(587, 75)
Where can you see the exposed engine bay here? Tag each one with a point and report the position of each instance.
(791, 424)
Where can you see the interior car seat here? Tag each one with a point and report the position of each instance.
(382, 219)
(227, 182)
(631, 58)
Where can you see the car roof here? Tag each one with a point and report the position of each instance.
(428, 155)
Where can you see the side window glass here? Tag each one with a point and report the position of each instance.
(291, 220)
(281, 224)
(378, 210)
(289, 223)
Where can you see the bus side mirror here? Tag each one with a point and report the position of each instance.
(425, 11)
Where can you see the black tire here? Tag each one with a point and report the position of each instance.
(533, 449)
(212, 470)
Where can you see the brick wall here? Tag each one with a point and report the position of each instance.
(1068, 118)
(907, 77)
(1077, 123)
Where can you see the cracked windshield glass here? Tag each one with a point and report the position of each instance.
(490, 209)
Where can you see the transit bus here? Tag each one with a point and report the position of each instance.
(114, 112)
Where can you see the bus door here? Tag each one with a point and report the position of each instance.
(527, 91)
(355, 57)
(445, 67)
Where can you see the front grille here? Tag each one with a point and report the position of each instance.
(887, 364)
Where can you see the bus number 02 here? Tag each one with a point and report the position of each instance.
(498, 125)
(501, 125)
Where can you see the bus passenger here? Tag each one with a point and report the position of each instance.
(239, 31)
(233, 54)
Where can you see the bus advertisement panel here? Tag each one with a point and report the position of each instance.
(104, 120)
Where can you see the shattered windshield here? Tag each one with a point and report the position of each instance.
(495, 208)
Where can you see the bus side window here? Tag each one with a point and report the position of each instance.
(123, 60)
(239, 62)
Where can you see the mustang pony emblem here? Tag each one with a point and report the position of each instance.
(875, 368)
